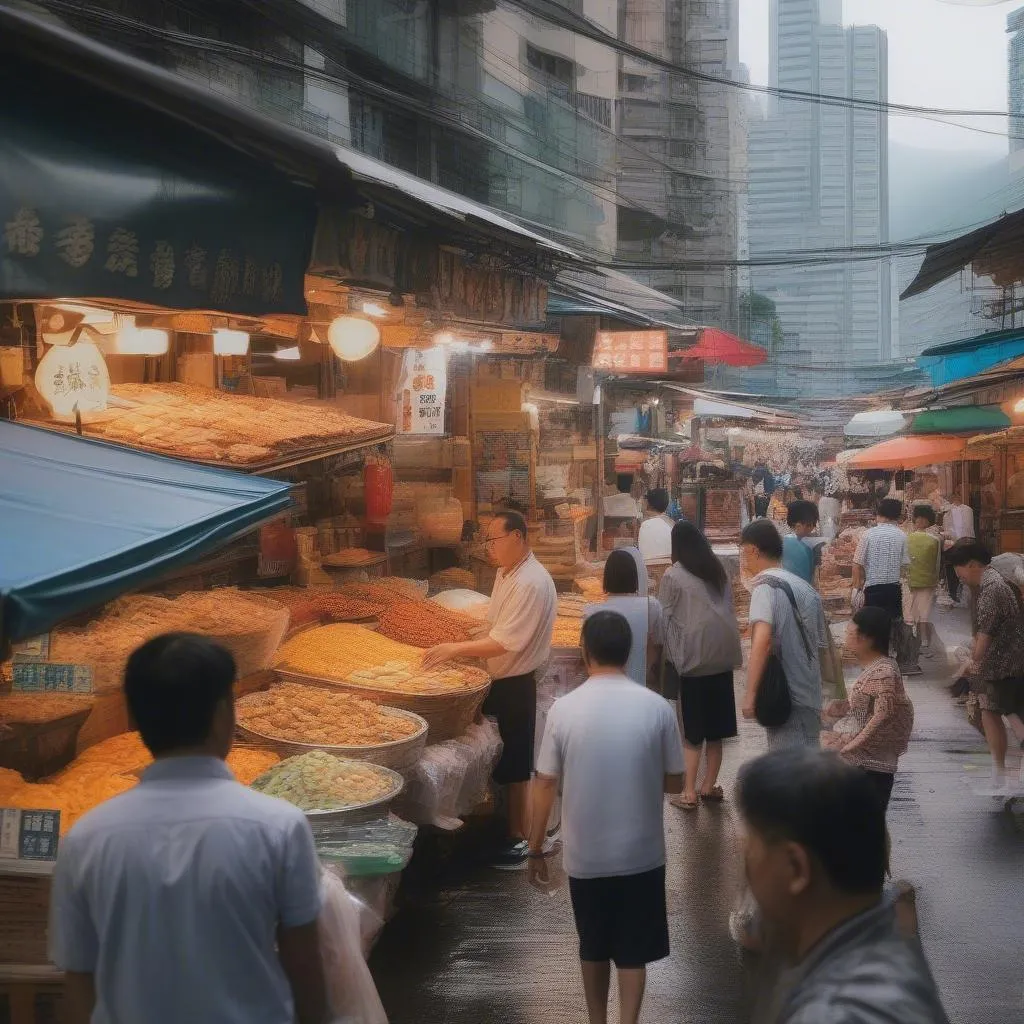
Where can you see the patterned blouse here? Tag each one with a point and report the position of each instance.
(998, 615)
(874, 724)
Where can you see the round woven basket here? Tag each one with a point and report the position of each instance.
(254, 650)
(398, 755)
(359, 814)
(447, 715)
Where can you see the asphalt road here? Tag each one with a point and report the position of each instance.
(471, 944)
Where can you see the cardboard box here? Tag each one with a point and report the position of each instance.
(412, 452)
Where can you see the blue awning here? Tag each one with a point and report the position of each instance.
(83, 521)
(960, 359)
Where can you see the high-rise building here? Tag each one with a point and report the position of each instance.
(681, 154)
(819, 181)
(1015, 68)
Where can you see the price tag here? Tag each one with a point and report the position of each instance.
(36, 648)
(29, 835)
(52, 677)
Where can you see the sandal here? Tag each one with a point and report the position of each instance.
(715, 795)
(683, 804)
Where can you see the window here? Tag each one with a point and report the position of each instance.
(634, 83)
(559, 68)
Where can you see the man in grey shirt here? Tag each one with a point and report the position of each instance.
(816, 858)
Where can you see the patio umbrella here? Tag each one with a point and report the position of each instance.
(876, 423)
(909, 452)
(719, 347)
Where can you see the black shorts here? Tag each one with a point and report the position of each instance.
(708, 707)
(885, 595)
(513, 703)
(1004, 696)
(882, 781)
(623, 919)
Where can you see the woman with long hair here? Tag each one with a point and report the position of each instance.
(702, 641)
(626, 591)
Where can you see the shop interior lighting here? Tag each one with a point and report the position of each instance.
(375, 309)
(1019, 407)
(290, 354)
(228, 342)
(444, 338)
(141, 341)
(351, 338)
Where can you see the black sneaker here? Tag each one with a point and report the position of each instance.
(512, 857)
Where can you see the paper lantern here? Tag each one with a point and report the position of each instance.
(230, 343)
(352, 338)
(71, 376)
(141, 341)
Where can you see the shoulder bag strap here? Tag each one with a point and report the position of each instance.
(776, 584)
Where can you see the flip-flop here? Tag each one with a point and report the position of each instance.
(715, 796)
(684, 805)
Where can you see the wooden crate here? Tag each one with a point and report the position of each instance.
(31, 995)
(24, 915)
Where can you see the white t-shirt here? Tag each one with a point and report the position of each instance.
(655, 538)
(611, 743)
(522, 614)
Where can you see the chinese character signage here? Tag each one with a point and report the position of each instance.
(421, 397)
(87, 209)
(28, 835)
(51, 677)
(631, 351)
(36, 648)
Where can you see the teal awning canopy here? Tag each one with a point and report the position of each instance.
(959, 420)
(945, 364)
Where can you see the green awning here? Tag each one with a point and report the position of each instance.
(961, 419)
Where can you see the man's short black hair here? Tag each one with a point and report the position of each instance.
(763, 535)
(890, 508)
(514, 522)
(620, 574)
(607, 639)
(172, 685)
(657, 499)
(875, 623)
(831, 808)
(801, 513)
(968, 550)
(925, 512)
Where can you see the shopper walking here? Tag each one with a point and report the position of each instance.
(787, 618)
(997, 654)
(190, 897)
(613, 749)
(871, 728)
(925, 554)
(702, 643)
(816, 861)
(655, 535)
(798, 557)
(957, 525)
(880, 559)
(522, 614)
(626, 589)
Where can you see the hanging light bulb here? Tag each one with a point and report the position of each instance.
(141, 341)
(230, 343)
(352, 338)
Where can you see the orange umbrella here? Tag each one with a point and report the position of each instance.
(910, 452)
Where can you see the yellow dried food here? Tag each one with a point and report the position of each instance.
(566, 632)
(38, 708)
(318, 781)
(308, 714)
(335, 651)
(248, 765)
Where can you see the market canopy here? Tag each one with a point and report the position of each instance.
(875, 423)
(945, 364)
(909, 453)
(719, 348)
(84, 521)
(960, 419)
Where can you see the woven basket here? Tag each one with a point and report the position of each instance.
(447, 715)
(43, 748)
(253, 651)
(359, 814)
(398, 755)
(109, 717)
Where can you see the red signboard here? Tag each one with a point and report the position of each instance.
(631, 351)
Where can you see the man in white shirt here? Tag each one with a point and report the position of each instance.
(190, 897)
(655, 537)
(614, 747)
(522, 615)
(880, 560)
(957, 524)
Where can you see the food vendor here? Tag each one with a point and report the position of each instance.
(521, 616)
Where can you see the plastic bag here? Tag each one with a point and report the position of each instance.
(352, 995)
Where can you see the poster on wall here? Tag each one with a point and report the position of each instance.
(421, 397)
(631, 351)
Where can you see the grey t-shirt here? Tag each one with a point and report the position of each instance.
(865, 972)
(644, 617)
(771, 605)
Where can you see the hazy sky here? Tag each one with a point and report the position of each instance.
(941, 54)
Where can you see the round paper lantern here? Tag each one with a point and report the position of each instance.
(352, 338)
(71, 376)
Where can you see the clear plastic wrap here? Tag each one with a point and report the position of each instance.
(352, 994)
(451, 778)
(374, 848)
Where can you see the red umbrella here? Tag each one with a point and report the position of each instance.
(715, 346)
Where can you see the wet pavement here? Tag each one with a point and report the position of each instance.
(471, 944)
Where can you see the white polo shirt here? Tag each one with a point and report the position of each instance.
(611, 743)
(171, 895)
(522, 614)
(655, 539)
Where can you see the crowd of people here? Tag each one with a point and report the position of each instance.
(190, 861)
